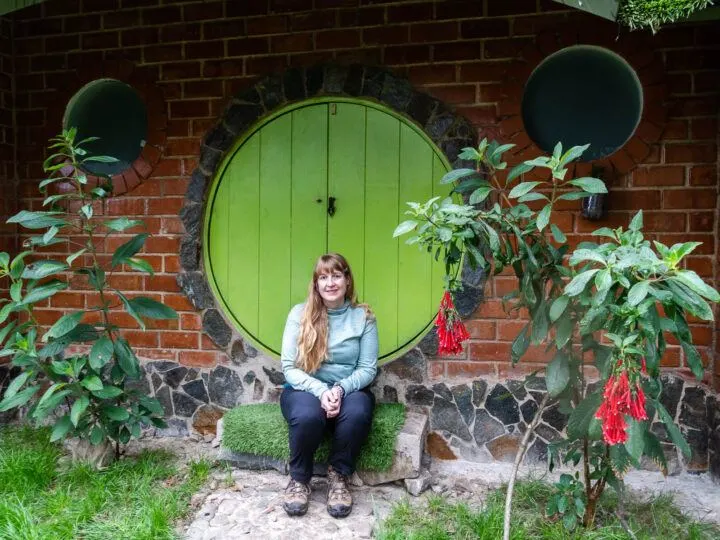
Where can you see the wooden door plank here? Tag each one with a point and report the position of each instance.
(275, 230)
(414, 266)
(309, 195)
(346, 182)
(381, 210)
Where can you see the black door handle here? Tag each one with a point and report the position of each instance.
(331, 206)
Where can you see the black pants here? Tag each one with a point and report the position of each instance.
(307, 423)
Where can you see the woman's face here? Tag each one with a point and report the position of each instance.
(332, 287)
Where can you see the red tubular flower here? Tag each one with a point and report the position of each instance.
(637, 407)
(619, 400)
(451, 330)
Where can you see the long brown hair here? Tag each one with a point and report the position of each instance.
(312, 347)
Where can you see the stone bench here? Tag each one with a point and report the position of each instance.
(406, 456)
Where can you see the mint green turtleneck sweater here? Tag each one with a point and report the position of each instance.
(352, 351)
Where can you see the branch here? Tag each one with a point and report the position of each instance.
(518, 459)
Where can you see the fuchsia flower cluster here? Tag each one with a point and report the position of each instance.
(451, 330)
(623, 395)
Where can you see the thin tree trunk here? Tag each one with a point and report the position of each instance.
(518, 460)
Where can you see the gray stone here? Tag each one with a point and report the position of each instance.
(429, 343)
(502, 405)
(373, 82)
(314, 77)
(249, 95)
(219, 138)
(196, 188)
(195, 287)
(209, 159)
(174, 377)
(396, 93)
(417, 394)
(712, 411)
(698, 441)
(216, 327)
(334, 79)
(177, 427)
(463, 400)
(184, 405)
(191, 215)
(237, 352)
(353, 80)
(293, 84)
(421, 107)
(390, 394)
(443, 391)
(276, 377)
(240, 116)
(468, 299)
(141, 384)
(96, 456)
(249, 377)
(408, 452)
(250, 351)
(273, 394)
(547, 433)
(528, 410)
(445, 416)
(517, 389)
(537, 453)
(160, 366)
(504, 448)
(206, 418)
(258, 390)
(163, 396)
(225, 387)
(415, 486)
(486, 428)
(438, 125)
(479, 388)
(197, 390)
(189, 253)
(536, 383)
(156, 381)
(555, 418)
(192, 374)
(271, 91)
(693, 412)
(409, 367)
(671, 392)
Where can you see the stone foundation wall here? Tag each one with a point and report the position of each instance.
(479, 419)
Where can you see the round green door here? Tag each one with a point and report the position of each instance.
(324, 175)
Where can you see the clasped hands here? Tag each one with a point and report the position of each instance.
(330, 402)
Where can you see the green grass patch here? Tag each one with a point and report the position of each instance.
(260, 429)
(136, 498)
(440, 519)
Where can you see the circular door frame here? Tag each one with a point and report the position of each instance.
(267, 99)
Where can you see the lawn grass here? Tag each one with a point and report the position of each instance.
(260, 429)
(440, 519)
(135, 498)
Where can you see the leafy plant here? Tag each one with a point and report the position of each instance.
(568, 501)
(653, 13)
(81, 369)
(610, 307)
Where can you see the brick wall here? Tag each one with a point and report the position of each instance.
(8, 197)
(201, 53)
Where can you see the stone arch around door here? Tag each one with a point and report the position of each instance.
(448, 131)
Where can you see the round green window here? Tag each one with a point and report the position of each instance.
(324, 175)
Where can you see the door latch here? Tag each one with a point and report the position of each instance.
(331, 206)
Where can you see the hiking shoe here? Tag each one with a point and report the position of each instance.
(339, 503)
(296, 498)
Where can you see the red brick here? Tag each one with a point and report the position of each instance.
(179, 302)
(337, 39)
(120, 19)
(485, 28)
(125, 207)
(384, 35)
(676, 129)
(410, 13)
(691, 153)
(407, 54)
(291, 43)
(691, 199)
(197, 358)
(180, 32)
(161, 282)
(162, 53)
(703, 175)
(480, 115)
(704, 128)
(180, 70)
(361, 17)
(432, 74)
(189, 109)
(459, 50)
(274, 24)
(489, 351)
(141, 338)
(206, 49)
(504, 48)
(459, 9)
(139, 36)
(481, 329)
(701, 221)
(509, 330)
(315, 20)
(190, 321)
(459, 94)
(470, 369)
(68, 300)
(203, 11)
(162, 244)
(100, 40)
(179, 340)
(659, 176)
(246, 46)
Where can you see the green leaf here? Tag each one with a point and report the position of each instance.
(100, 159)
(92, 383)
(695, 283)
(589, 184)
(654, 450)
(582, 415)
(4, 259)
(147, 307)
(522, 188)
(580, 255)
(603, 279)
(520, 344)
(113, 412)
(573, 196)
(453, 175)
(637, 222)
(61, 428)
(97, 435)
(671, 428)
(126, 358)
(532, 196)
(577, 285)
(480, 194)
(152, 405)
(518, 170)
(563, 333)
(16, 383)
(70, 258)
(693, 359)
(558, 235)
(37, 220)
(570, 521)
(130, 309)
(572, 154)
(579, 507)
(63, 325)
(15, 292)
(128, 249)
(49, 234)
(101, 353)
(79, 407)
(141, 265)
(108, 392)
(543, 217)
(43, 292)
(638, 292)
(87, 211)
(636, 438)
(557, 375)
(558, 307)
(19, 399)
(405, 227)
